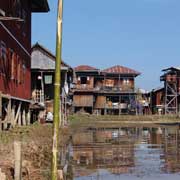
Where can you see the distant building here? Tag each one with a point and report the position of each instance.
(171, 79)
(15, 59)
(166, 100)
(109, 91)
(42, 81)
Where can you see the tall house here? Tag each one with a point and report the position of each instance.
(108, 91)
(15, 59)
(171, 79)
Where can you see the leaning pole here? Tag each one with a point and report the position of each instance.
(57, 86)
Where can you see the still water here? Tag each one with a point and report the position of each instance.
(146, 153)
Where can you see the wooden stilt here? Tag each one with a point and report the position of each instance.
(19, 119)
(28, 117)
(13, 116)
(17, 114)
(9, 111)
(24, 118)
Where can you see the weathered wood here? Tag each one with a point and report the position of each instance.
(18, 113)
(18, 160)
(24, 118)
(19, 119)
(9, 111)
(13, 116)
(28, 118)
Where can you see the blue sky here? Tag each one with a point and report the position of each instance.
(140, 34)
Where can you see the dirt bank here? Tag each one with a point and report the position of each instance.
(36, 150)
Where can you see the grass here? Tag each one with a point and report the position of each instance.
(77, 120)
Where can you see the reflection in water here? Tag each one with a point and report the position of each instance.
(129, 152)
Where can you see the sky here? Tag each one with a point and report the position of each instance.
(140, 34)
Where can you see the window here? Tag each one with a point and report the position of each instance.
(126, 81)
(48, 79)
(83, 80)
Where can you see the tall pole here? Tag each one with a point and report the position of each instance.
(57, 84)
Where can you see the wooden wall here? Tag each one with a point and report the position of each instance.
(15, 45)
(100, 102)
(83, 100)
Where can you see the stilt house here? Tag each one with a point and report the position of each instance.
(109, 91)
(15, 59)
(42, 82)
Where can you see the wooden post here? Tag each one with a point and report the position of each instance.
(19, 119)
(0, 111)
(18, 113)
(24, 118)
(9, 111)
(28, 118)
(13, 116)
(18, 160)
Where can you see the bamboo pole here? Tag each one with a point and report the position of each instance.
(57, 83)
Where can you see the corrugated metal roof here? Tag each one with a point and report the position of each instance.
(42, 58)
(85, 68)
(120, 70)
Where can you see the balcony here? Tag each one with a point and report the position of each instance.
(115, 89)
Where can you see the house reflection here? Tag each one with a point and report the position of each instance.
(171, 150)
(116, 149)
(105, 149)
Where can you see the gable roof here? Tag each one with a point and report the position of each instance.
(172, 68)
(42, 58)
(120, 70)
(83, 68)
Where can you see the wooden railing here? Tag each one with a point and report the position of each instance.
(38, 96)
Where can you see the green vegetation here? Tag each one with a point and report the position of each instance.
(77, 120)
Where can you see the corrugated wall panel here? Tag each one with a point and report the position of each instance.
(83, 100)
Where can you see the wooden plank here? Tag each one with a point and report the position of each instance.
(83, 100)
(100, 102)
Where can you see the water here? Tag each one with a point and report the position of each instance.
(146, 153)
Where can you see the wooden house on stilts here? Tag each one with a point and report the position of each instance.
(42, 83)
(15, 60)
(109, 91)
